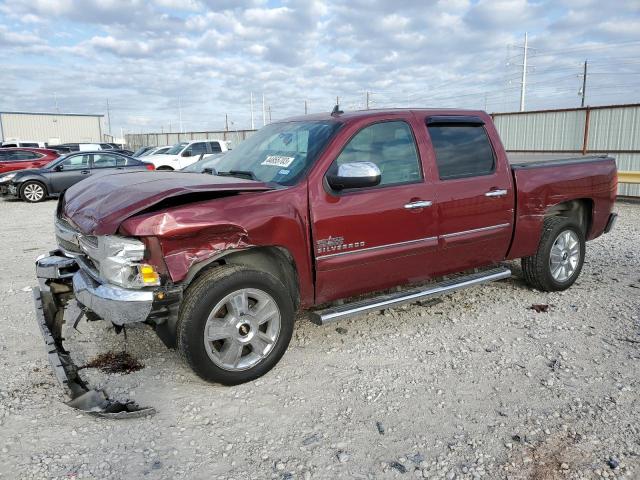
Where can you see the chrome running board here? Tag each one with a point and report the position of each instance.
(332, 314)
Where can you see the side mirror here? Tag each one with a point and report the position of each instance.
(355, 175)
(58, 168)
(186, 153)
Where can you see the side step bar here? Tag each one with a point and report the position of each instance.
(332, 314)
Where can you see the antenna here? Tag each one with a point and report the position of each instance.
(336, 111)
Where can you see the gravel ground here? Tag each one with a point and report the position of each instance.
(474, 385)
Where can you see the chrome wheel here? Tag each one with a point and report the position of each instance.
(565, 256)
(33, 192)
(242, 329)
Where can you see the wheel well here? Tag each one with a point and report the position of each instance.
(33, 180)
(581, 211)
(274, 260)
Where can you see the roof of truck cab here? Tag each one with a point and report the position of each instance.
(372, 113)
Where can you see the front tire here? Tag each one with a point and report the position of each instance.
(560, 256)
(235, 324)
(33, 192)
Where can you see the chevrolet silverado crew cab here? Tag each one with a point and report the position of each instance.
(328, 213)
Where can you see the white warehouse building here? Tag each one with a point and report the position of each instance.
(52, 128)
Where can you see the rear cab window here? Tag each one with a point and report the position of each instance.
(462, 147)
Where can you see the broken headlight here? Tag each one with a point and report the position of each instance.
(120, 261)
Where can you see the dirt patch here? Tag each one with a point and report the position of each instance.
(112, 362)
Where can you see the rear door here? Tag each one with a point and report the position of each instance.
(74, 168)
(473, 192)
(374, 238)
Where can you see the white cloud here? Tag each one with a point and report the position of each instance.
(145, 55)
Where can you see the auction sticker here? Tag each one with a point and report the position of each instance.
(278, 161)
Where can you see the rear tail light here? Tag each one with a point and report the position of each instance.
(149, 166)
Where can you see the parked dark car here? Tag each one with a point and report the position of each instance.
(60, 149)
(21, 158)
(34, 185)
(142, 150)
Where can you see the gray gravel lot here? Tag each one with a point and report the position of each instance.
(475, 385)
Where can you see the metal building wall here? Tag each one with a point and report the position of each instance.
(44, 127)
(613, 130)
(562, 130)
(137, 140)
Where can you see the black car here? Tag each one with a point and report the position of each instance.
(34, 185)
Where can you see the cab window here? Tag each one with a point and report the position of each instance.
(462, 150)
(390, 145)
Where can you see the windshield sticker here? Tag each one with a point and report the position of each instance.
(278, 161)
(284, 172)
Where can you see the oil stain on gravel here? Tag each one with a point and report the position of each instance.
(112, 362)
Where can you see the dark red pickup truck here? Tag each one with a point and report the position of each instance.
(308, 211)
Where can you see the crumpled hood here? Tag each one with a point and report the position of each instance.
(98, 205)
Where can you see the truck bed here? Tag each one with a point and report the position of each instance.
(542, 183)
(533, 160)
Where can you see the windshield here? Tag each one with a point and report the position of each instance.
(140, 151)
(177, 148)
(279, 152)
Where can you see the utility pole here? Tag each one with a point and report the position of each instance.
(226, 122)
(269, 109)
(180, 112)
(583, 92)
(305, 107)
(264, 112)
(108, 117)
(367, 100)
(253, 126)
(523, 83)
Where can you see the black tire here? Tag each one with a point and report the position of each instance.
(201, 298)
(165, 168)
(28, 188)
(537, 268)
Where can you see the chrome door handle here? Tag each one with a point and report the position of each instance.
(418, 204)
(496, 193)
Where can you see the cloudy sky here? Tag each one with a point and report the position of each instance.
(153, 59)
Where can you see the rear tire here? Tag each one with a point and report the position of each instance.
(560, 256)
(164, 168)
(33, 192)
(234, 324)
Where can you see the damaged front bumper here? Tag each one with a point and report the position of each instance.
(62, 280)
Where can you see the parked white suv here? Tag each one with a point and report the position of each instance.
(24, 144)
(185, 153)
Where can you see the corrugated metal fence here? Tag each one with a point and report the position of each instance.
(137, 140)
(612, 129)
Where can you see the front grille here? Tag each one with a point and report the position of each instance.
(88, 241)
(67, 246)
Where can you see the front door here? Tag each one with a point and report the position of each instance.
(474, 195)
(74, 168)
(374, 238)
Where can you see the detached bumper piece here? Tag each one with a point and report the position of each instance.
(611, 222)
(57, 278)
